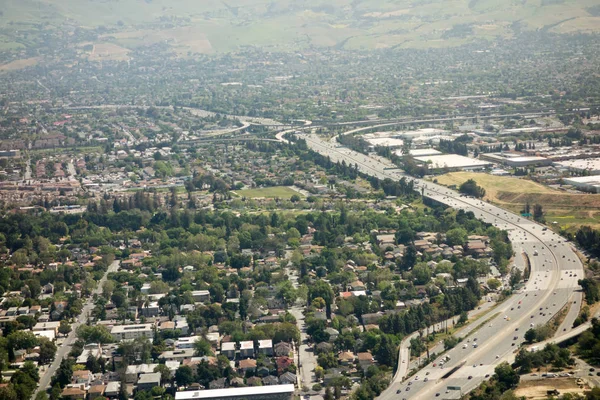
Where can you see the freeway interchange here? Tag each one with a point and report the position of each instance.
(552, 286)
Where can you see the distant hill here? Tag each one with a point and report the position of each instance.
(206, 26)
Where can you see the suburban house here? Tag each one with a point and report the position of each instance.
(265, 347)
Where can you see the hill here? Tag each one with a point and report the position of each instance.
(208, 26)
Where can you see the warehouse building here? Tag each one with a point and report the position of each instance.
(584, 183)
(516, 160)
(454, 162)
(589, 165)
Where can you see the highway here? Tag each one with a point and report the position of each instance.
(555, 269)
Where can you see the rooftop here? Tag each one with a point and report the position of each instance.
(453, 161)
(235, 392)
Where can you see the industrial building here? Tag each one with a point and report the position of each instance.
(424, 152)
(274, 392)
(589, 165)
(516, 160)
(390, 142)
(584, 183)
(454, 162)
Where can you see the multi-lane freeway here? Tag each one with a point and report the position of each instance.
(552, 285)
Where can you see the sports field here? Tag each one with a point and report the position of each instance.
(282, 192)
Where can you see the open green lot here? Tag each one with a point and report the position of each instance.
(282, 192)
(569, 210)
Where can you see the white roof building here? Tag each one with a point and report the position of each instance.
(247, 345)
(228, 346)
(453, 161)
(250, 393)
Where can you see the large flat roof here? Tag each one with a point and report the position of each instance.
(386, 141)
(590, 180)
(424, 152)
(590, 164)
(234, 392)
(453, 161)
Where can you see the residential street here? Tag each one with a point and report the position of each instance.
(65, 348)
(307, 361)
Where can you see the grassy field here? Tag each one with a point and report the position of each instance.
(19, 64)
(569, 210)
(282, 192)
(217, 26)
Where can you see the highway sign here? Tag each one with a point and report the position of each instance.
(453, 387)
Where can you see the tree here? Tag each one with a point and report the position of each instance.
(202, 348)
(64, 328)
(94, 334)
(22, 340)
(327, 360)
(590, 290)
(530, 335)
(409, 259)
(538, 213)
(64, 374)
(47, 351)
(515, 277)
(184, 376)
(165, 373)
(55, 392)
(286, 332)
(286, 292)
(507, 376)
(92, 364)
(450, 342)
(318, 303)
(243, 308)
(41, 395)
(470, 188)
(322, 289)
(422, 273)
(319, 372)
(8, 393)
(456, 236)
(385, 352)
(157, 391)
(328, 394)
(494, 283)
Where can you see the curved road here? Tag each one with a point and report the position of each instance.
(553, 282)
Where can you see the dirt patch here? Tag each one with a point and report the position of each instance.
(537, 389)
(555, 200)
(19, 64)
(389, 14)
(182, 40)
(108, 51)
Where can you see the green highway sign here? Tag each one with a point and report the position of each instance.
(453, 387)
